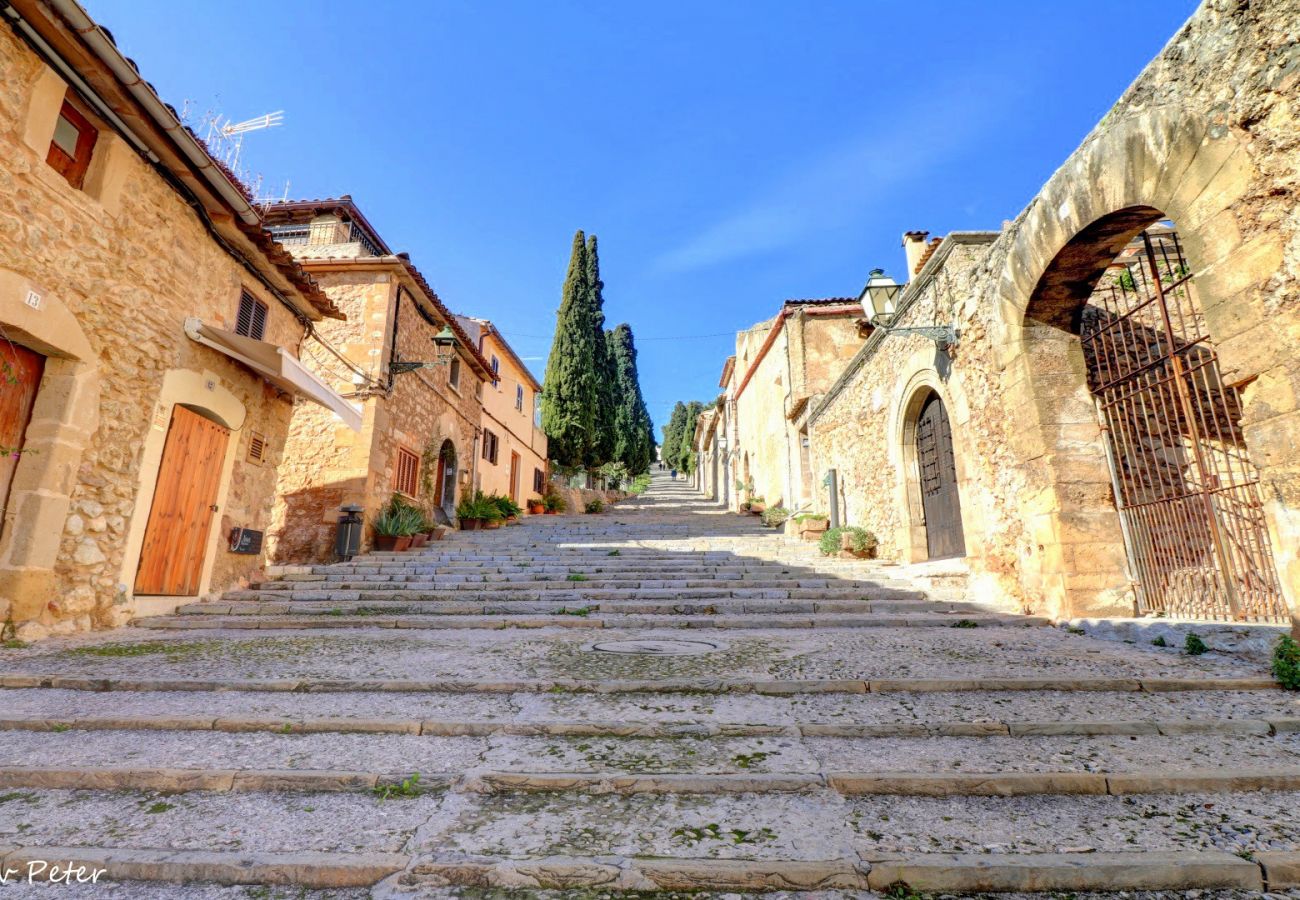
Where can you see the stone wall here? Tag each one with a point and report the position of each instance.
(328, 467)
(118, 267)
(1207, 136)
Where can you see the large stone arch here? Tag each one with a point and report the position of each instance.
(64, 416)
(1129, 173)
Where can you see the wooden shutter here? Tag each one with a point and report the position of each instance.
(406, 474)
(251, 321)
(73, 143)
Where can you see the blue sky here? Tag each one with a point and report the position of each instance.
(728, 155)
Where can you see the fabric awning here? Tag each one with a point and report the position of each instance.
(276, 366)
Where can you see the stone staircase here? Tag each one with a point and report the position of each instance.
(663, 697)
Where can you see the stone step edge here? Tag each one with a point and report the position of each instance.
(626, 729)
(924, 873)
(421, 622)
(312, 869)
(776, 687)
(848, 784)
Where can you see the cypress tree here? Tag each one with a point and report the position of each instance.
(673, 435)
(569, 390)
(686, 449)
(605, 439)
(633, 440)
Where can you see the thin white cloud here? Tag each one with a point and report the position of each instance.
(838, 186)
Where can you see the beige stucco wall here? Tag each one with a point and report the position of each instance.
(513, 427)
(117, 267)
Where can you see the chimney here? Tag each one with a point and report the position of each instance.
(914, 247)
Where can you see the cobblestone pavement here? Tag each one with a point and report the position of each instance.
(663, 698)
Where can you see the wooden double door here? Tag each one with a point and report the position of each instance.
(184, 506)
(944, 536)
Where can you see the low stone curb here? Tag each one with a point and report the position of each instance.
(1176, 870)
(452, 728)
(312, 869)
(691, 685)
(913, 784)
(1281, 869)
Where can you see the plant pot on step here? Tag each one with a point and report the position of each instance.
(403, 543)
(491, 523)
(419, 539)
(437, 534)
(470, 524)
(386, 543)
(536, 509)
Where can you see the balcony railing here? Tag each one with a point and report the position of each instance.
(302, 233)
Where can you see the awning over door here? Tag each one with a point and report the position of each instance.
(276, 366)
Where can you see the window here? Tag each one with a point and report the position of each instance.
(539, 481)
(453, 374)
(256, 447)
(407, 472)
(496, 368)
(489, 446)
(74, 141)
(251, 321)
(519, 397)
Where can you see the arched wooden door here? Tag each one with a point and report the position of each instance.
(937, 466)
(184, 505)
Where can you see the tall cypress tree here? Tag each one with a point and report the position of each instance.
(672, 445)
(685, 449)
(604, 440)
(631, 418)
(569, 390)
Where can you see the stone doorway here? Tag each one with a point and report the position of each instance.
(937, 480)
(444, 498)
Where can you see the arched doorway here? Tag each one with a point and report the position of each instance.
(1188, 496)
(936, 478)
(444, 498)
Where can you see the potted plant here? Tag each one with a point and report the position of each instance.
(535, 506)
(595, 505)
(554, 504)
(467, 512)
(775, 517)
(508, 508)
(757, 505)
(811, 525)
(744, 506)
(388, 531)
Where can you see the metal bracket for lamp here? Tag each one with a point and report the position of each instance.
(444, 340)
(944, 336)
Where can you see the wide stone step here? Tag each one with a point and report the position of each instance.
(560, 590)
(399, 606)
(1022, 713)
(582, 617)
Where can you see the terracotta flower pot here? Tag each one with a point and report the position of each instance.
(470, 524)
(536, 509)
(552, 512)
(437, 534)
(419, 539)
(491, 523)
(403, 543)
(386, 543)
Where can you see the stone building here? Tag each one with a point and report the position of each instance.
(1115, 428)
(709, 465)
(420, 424)
(779, 365)
(512, 455)
(151, 329)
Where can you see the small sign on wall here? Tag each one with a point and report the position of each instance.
(245, 540)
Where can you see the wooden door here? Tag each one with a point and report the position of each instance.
(184, 504)
(938, 474)
(514, 477)
(438, 481)
(20, 377)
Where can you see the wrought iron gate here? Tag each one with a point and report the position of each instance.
(1188, 497)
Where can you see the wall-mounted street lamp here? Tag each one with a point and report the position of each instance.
(444, 340)
(880, 304)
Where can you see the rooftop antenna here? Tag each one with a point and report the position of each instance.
(229, 136)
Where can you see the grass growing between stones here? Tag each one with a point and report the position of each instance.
(173, 650)
(406, 789)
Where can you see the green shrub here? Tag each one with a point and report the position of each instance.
(1286, 663)
(553, 502)
(775, 516)
(861, 540)
(1194, 646)
(504, 505)
(810, 517)
(399, 519)
(595, 505)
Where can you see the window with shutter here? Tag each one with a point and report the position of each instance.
(251, 320)
(519, 397)
(73, 142)
(453, 374)
(406, 474)
(490, 446)
(539, 480)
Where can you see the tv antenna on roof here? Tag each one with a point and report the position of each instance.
(227, 137)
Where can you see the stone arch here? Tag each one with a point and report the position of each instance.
(64, 416)
(1164, 163)
(204, 393)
